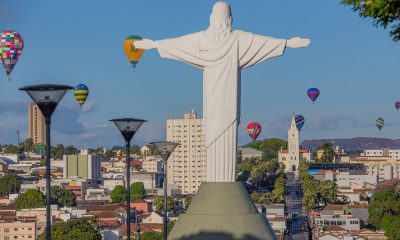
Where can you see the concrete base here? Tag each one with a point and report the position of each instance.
(222, 211)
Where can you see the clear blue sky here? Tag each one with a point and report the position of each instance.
(356, 67)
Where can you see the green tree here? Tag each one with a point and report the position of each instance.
(137, 191)
(118, 194)
(310, 199)
(159, 203)
(187, 201)
(12, 149)
(278, 193)
(30, 199)
(9, 184)
(329, 153)
(246, 165)
(71, 150)
(57, 152)
(262, 198)
(151, 236)
(72, 230)
(63, 197)
(28, 145)
(327, 192)
(385, 13)
(384, 211)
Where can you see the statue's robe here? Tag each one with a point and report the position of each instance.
(221, 59)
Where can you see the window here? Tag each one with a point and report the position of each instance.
(16, 229)
(6, 230)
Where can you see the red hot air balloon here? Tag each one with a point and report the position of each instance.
(397, 105)
(313, 94)
(254, 129)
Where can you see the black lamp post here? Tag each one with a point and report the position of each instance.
(165, 149)
(47, 97)
(128, 127)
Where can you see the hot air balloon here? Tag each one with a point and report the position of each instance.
(299, 119)
(253, 129)
(313, 94)
(397, 105)
(11, 47)
(133, 54)
(379, 123)
(81, 92)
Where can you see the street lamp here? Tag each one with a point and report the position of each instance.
(47, 97)
(128, 127)
(165, 149)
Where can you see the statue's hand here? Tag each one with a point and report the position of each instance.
(297, 42)
(145, 44)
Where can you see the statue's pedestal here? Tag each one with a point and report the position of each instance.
(222, 211)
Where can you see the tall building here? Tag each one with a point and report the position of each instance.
(291, 158)
(36, 125)
(187, 164)
(87, 166)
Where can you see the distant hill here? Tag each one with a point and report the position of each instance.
(354, 144)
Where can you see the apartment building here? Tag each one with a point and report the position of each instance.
(187, 164)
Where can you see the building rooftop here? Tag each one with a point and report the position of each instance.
(144, 227)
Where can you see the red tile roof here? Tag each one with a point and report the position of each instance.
(108, 223)
(144, 227)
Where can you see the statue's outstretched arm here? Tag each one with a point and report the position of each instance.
(145, 44)
(297, 42)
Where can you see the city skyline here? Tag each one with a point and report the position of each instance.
(357, 76)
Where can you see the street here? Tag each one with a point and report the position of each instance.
(296, 219)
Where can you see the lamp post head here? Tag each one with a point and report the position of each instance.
(46, 96)
(165, 148)
(128, 126)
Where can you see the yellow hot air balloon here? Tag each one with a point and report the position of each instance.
(133, 54)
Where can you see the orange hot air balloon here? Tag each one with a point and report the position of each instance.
(133, 54)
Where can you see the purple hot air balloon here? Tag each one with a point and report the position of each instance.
(397, 105)
(313, 94)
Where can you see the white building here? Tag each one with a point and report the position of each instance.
(187, 164)
(11, 158)
(250, 152)
(345, 179)
(275, 213)
(387, 152)
(110, 183)
(291, 158)
(153, 164)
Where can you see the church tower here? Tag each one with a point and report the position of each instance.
(293, 160)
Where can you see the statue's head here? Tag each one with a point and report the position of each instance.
(221, 18)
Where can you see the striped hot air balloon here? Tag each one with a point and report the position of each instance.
(133, 54)
(380, 123)
(11, 47)
(81, 92)
(253, 129)
(299, 119)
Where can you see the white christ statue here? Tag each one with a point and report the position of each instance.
(221, 53)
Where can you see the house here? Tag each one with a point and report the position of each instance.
(363, 234)
(144, 227)
(109, 215)
(250, 152)
(275, 213)
(141, 206)
(153, 217)
(337, 218)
